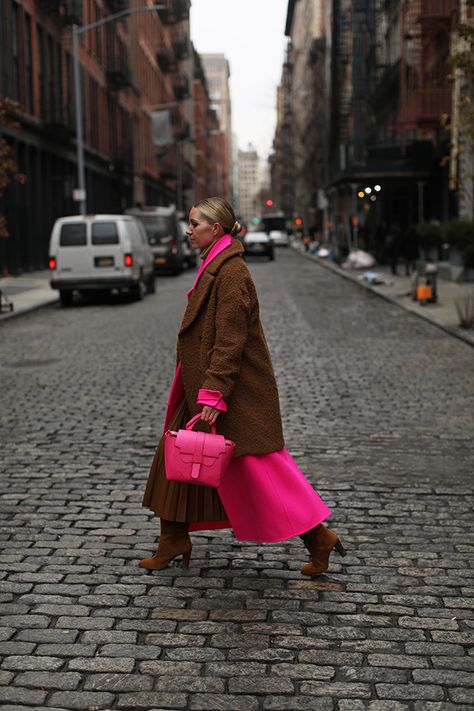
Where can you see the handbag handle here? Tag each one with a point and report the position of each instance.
(196, 418)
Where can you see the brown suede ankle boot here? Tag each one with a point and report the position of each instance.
(320, 541)
(174, 541)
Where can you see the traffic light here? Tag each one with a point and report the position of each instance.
(255, 220)
(269, 203)
(298, 221)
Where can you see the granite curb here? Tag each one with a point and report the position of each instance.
(27, 292)
(28, 309)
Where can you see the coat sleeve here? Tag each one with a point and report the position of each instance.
(213, 398)
(232, 319)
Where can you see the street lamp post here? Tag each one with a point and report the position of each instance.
(78, 30)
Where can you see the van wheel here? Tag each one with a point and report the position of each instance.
(138, 292)
(151, 284)
(65, 297)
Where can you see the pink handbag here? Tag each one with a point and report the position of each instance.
(197, 457)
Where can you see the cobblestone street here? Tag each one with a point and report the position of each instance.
(378, 411)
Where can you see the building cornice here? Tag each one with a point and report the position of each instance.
(289, 17)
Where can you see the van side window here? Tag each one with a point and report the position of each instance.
(73, 235)
(104, 233)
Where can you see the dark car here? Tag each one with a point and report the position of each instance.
(164, 236)
(190, 254)
(258, 244)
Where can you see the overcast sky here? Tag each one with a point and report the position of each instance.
(251, 35)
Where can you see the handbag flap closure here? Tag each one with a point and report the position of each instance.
(200, 444)
(196, 456)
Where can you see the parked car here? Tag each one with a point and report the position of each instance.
(190, 254)
(100, 253)
(280, 238)
(164, 236)
(258, 244)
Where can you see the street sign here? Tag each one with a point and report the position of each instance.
(78, 195)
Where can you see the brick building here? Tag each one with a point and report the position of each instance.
(282, 160)
(217, 71)
(390, 87)
(249, 184)
(130, 67)
(380, 74)
(209, 142)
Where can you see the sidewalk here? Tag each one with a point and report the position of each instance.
(27, 292)
(443, 314)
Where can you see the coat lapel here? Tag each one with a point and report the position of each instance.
(203, 287)
(197, 300)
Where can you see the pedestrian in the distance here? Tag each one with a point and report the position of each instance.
(392, 246)
(409, 249)
(225, 373)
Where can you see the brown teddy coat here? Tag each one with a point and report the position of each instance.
(221, 346)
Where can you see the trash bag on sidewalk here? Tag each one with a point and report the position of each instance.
(375, 278)
(358, 259)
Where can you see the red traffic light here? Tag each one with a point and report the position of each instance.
(269, 203)
(298, 221)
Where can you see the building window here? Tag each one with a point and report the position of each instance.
(5, 47)
(58, 83)
(42, 70)
(112, 127)
(94, 113)
(96, 37)
(51, 89)
(28, 66)
(69, 90)
(15, 53)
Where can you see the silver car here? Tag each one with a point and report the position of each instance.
(279, 238)
(258, 244)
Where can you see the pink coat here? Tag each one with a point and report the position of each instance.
(266, 497)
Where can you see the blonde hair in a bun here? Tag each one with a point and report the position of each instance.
(237, 228)
(216, 209)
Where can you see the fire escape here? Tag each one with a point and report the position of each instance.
(172, 53)
(65, 12)
(425, 90)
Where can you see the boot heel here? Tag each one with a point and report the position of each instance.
(340, 548)
(186, 558)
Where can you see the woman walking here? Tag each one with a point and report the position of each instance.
(225, 373)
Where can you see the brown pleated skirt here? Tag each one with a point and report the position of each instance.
(175, 501)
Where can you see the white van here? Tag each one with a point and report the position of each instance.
(100, 252)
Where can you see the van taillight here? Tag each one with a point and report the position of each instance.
(128, 260)
(52, 263)
(174, 246)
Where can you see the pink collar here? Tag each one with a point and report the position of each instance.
(219, 247)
